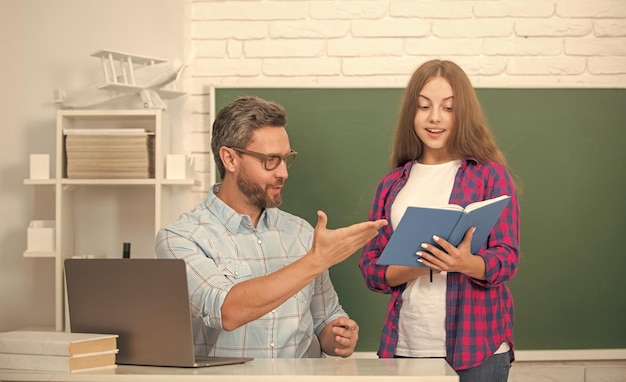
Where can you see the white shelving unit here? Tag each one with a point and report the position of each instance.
(156, 190)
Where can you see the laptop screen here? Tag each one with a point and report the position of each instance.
(144, 301)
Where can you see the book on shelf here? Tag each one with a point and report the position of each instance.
(86, 142)
(98, 131)
(40, 362)
(450, 222)
(102, 154)
(55, 343)
(57, 351)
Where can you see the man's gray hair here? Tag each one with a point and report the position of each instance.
(236, 122)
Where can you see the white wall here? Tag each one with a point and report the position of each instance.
(44, 45)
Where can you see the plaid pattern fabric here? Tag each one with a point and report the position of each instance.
(479, 314)
(222, 248)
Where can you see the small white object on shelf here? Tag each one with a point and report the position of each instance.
(39, 166)
(40, 242)
(176, 166)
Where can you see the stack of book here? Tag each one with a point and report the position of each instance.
(109, 153)
(57, 351)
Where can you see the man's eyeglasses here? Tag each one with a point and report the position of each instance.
(270, 161)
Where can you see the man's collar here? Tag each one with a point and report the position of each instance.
(234, 221)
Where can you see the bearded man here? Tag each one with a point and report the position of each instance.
(258, 276)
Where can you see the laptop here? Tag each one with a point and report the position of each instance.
(144, 301)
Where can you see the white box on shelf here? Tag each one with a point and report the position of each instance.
(176, 166)
(39, 166)
(41, 236)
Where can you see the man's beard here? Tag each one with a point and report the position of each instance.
(256, 194)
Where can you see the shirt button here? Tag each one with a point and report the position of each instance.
(259, 241)
(272, 344)
(236, 273)
(274, 311)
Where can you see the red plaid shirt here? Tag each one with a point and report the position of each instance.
(479, 314)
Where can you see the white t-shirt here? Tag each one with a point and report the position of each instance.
(421, 328)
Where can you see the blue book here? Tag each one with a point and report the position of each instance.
(450, 222)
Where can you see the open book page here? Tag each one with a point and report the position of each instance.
(482, 215)
(475, 205)
(419, 224)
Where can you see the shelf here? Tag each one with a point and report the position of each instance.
(117, 182)
(100, 114)
(125, 209)
(40, 182)
(50, 254)
(180, 182)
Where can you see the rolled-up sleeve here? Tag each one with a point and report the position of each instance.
(208, 283)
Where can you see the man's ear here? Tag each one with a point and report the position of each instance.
(229, 158)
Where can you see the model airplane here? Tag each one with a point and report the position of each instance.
(128, 75)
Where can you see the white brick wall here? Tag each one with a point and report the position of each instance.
(260, 42)
(521, 43)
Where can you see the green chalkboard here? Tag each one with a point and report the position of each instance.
(566, 146)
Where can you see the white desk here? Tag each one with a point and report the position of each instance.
(264, 370)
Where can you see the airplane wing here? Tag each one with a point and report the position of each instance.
(169, 94)
(134, 89)
(121, 56)
(92, 96)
